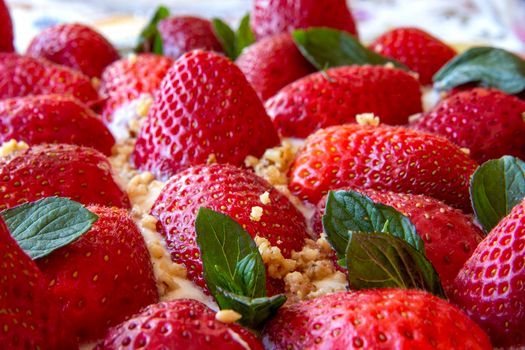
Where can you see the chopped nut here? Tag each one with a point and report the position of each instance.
(465, 150)
(364, 119)
(132, 58)
(211, 159)
(12, 146)
(274, 164)
(265, 198)
(256, 213)
(143, 106)
(277, 265)
(227, 316)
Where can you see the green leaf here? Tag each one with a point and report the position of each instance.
(43, 226)
(150, 39)
(381, 260)
(233, 268)
(234, 42)
(351, 211)
(254, 311)
(484, 66)
(495, 188)
(326, 48)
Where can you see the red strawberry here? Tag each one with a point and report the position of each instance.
(80, 173)
(417, 49)
(277, 16)
(29, 314)
(23, 76)
(204, 107)
(232, 191)
(450, 236)
(104, 276)
(491, 285)
(178, 324)
(272, 63)
(53, 119)
(181, 34)
(76, 46)
(6, 29)
(488, 122)
(127, 80)
(337, 95)
(382, 158)
(373, 319)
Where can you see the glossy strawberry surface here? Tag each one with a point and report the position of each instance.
(6, 29)
(337, 95)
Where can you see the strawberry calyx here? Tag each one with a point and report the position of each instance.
(233, 42)
(233, 268)
(150, 39)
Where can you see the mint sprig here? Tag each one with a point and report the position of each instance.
(150, 39)
(48, 224)
(233, 42)
(483, 66)
(327, 48)
(495, 188)
(233, 268)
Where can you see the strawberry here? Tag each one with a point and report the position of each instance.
(126, 81)
(273, 63)
(30, 318)
(205, 107)
(80, 173)
(277, 16)
(181, 34)
(382, 158)
(449, 235)
(417, 49)
(6, 29)
(178, 324)
(486, 121)
(373, 319)
(337, 95)
(104, 276)
(74, 45)
(53, 119)
(23, 76)
(491, 285)
(232, 191)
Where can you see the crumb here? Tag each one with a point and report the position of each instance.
(132, 58)
(277, 265)
(274, 164)
(212, 159)
(465, 150)
(256, 213)
(265, 198)
(367, 119)
(11, 147)
(227, 316)
(143, 106)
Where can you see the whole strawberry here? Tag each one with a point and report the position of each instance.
(382, 158)
(277, 16)
(232, 191)
(124, 83)
(178, 324)
(449, 235)
(337, 95)
(30, 316)
(6, 29)
(79, 173)
(272, 63)
(373, 319)
(103, 277)
(181, 34)
(417, 49)
(74, 45)
(23, 76)
(204, 108)
(53, 119)
(486, 121)
(491, 285)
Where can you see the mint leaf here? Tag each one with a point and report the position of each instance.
(150, 39)
(348, 211)
(495, 188)
(381, 260)
(484, 66)
(234, 42)
(326, 48)
(233, 268)
(43, 226)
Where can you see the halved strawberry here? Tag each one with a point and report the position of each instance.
(373, 319)
(232, 191)
(178, 324)
(74, 45)
(23, 76)
(53, 119)
(80, 173)
(382, 158)
(6, 29)
(104, 276)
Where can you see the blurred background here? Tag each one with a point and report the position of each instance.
(461, 22)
